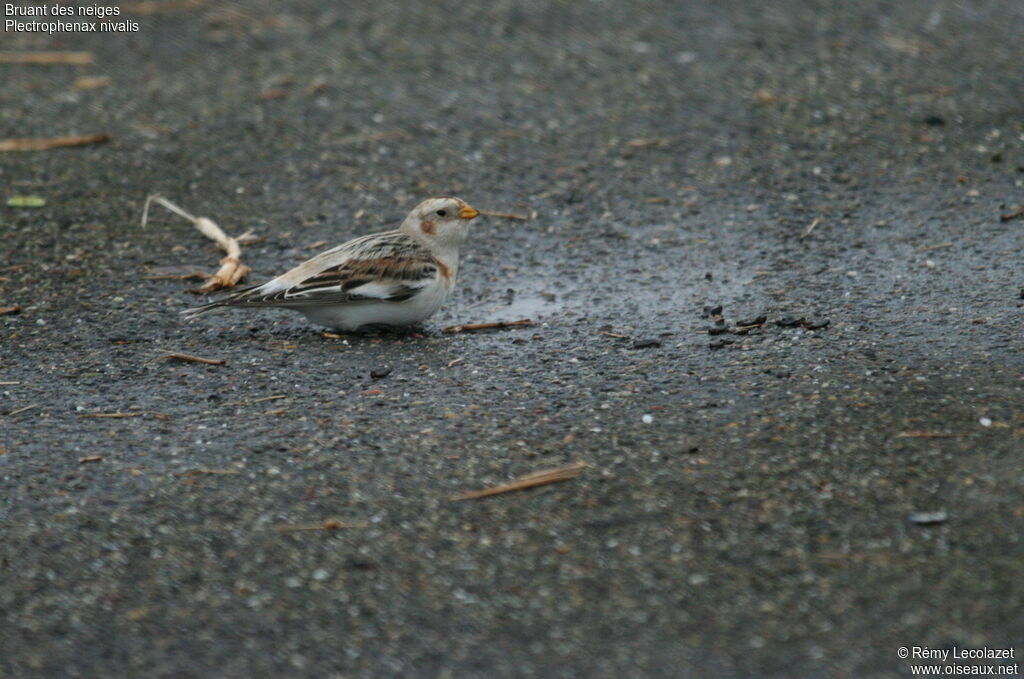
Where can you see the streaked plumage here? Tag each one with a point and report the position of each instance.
(393, 278)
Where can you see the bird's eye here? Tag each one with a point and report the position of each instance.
(442, 213)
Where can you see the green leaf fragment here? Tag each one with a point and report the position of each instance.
(26, 201)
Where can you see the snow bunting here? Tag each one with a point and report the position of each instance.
(384, 279)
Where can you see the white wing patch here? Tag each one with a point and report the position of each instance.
(379, 290)
(272, 286)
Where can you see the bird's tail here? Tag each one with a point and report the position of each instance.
(230, 300)
(196, 312)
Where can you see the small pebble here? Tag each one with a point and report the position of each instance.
(985, 422)
(379, 373)
(926, 518)
(646, 343)
(647, 419)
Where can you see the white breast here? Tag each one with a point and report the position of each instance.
(352, 316)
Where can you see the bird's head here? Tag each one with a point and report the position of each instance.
(440, 222)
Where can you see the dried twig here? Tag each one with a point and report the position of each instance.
(1013, 214)
(10, 383)
(318, 84)
(273, 93)
(642, 142)
(74, 58)
(612, 334)
(269, 398)
(926, 435)
(13, 309)
(201, 471)
(541, 478)
(45, 144)
(113, 415)
(194, 359)
(120, 415)
(256, 400)
(90, 458)
(506, 215)
(92, 82)
(811, 228)
(328, 524)
(21, 410)
(231, 268)
(470, 327)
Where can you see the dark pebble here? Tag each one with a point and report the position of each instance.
(379, 373)
(760, 320)
(718, 344)
(719, 330)
(817, 325)
(789, 322)
(935, 121)
(646, 343)
(713, 310)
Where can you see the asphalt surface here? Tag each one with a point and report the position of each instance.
(789, 502)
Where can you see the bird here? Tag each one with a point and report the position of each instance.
(389, 279)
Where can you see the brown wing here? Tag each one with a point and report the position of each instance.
(388, 279)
